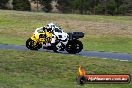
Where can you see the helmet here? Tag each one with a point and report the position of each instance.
(50, 27)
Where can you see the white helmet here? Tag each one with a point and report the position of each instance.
(51, 25)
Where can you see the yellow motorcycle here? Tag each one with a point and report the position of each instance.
(35, 42)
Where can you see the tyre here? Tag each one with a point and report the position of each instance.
(74, 46)
(30, 44)
(79, 46)
(55, 49)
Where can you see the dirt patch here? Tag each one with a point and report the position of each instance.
(96, 28)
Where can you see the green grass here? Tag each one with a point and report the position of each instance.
(17, 26)
(108, 43)
(12, 40)
(31, 69)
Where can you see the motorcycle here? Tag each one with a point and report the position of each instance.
(58, 40)
(62, 41)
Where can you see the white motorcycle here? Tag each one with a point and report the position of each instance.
(62, 41)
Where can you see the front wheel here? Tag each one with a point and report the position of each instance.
(30, 44)
(74, 46)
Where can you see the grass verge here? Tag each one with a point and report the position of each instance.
(30, 69)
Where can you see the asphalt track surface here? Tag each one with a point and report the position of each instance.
(105, 55)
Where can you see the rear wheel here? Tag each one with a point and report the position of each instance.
(74, 46)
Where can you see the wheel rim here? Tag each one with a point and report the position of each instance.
(74, 47)
(31, 44)
(77, 47)
(70, 48)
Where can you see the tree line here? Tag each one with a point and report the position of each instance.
(107, 7)
(112, 7)
(17, 4)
